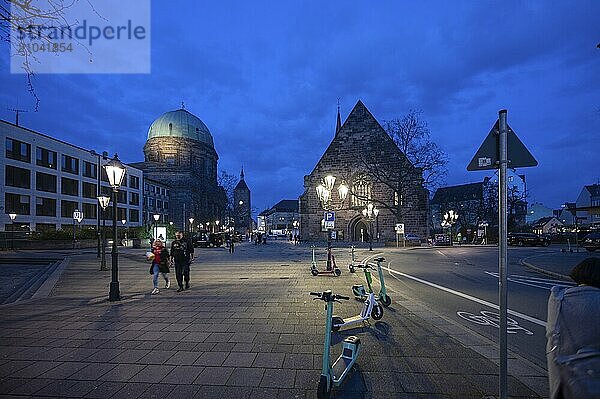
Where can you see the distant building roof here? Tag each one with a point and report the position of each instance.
(282, 206)
(461, 192)
(594, 190)
(542, 221)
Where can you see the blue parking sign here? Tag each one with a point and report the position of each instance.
(329, 216)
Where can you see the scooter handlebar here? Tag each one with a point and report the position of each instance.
(315, 294)
(342, 297)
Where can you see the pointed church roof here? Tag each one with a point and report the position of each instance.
(241, 184)
(360, 127)
(339, 120)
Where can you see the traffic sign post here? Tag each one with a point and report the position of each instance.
(502, 149)
(77, 216)
(400, 230)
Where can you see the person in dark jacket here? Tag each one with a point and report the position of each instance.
(160, 264)
(573, 332)
(182, 253)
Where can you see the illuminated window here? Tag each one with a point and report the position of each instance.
(361, 191)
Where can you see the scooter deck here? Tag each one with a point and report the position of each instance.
(353, 319)
(340, 368)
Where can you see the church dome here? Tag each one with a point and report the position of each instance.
(180, 123)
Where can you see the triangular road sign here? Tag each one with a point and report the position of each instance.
(487, 156)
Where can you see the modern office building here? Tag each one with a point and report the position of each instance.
(44, 180)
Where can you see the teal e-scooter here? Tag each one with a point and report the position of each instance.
(359, 289)
(332, 376)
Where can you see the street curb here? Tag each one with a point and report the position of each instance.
(544, 271)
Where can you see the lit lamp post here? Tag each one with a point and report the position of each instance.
(115, 171)
(217, 224)
(324, 192)
(12, 217)
(123, 222)
(191, 220)
(450, 218)
(370, 213)
(103, 201)
(156, 216)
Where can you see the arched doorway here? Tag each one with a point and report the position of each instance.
(358, 230)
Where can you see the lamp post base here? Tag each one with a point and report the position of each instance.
(114, 294)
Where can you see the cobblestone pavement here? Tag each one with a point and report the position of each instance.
(247, 328)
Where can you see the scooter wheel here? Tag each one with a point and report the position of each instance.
(336, 323)
(351, 268)
(314, 272)
(337, 272)
(386, 301)
(377, 312)
(323, 390)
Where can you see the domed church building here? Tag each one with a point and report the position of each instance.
(180, 154)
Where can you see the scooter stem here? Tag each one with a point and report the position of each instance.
(326, 369)
(382, 291)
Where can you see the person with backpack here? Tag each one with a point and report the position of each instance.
(573, 333)
(182, 253)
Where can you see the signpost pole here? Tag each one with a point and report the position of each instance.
(502, 217)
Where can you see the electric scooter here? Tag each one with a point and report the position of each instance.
(359, 289)
(370, 309)
(332, 268)
(334, 375)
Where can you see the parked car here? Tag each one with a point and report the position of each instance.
(412, 238)
(591, 242)
(527, 239)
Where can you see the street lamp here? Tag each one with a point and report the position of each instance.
(217, 223)
(103, 200)
(450, 218)
(12, 217)
(191, 220)
(208, 227)
(324, 192)
(115, 171)
(104, 156)
(370, 213)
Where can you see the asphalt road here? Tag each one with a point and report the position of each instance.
(462, 283)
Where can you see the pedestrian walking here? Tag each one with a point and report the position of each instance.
(182, 253)
(296, 239)
(231, 245)
(573, 333)
(160, 264)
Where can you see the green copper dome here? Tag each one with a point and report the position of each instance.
(180, 123)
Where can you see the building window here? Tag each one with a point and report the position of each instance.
(67, 208)
(159, 204)
(90, 170)
(45, 158)
(103, 175)
(69, 187)
(146, 187)
(106, 191)
(166, 205)
(124, 182)
(151, 202)
(45, 182)
(45, 206)
(134, 199)
(122, 197)
(70, 164)
(89, 190)
(361, 192)
(134, 182)
(18, 150)
(89, 211)
(17, 177)
(121, 214)
(16, 203)
(163, 191)
(134, 215)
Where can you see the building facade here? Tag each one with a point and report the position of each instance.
(156, 202)
(588, 206)
(280, 218)
(364, 157)
(179, 154)
(45, 180)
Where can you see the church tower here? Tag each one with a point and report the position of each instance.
(242, 207)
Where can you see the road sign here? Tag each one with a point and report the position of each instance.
(78, 215)
(329, 216)
(329, 224)
(487, 156)
(400, 228)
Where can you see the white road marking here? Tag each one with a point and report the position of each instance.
(487, 318)
(465, 296)
(536, 282)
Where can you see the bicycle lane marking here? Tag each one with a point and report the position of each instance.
(464, 296)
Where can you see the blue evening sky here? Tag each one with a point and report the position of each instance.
(265, 77)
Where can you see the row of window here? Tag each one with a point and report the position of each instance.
(21, 151)
(19, 177)
(155, 203)
(155, 189)
(20, 204)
